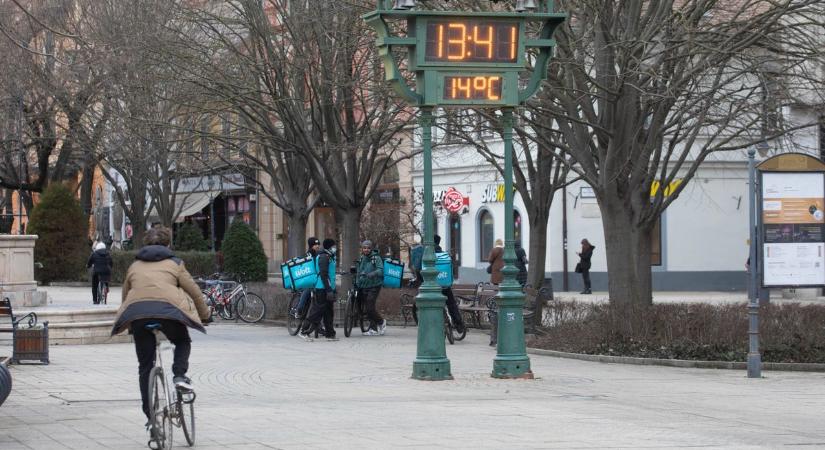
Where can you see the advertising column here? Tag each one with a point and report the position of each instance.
(793, 223)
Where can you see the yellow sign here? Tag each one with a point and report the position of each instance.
(671, 187)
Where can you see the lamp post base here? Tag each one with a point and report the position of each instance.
(432, 370)
(512, 367)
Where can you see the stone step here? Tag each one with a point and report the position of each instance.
(68, 326)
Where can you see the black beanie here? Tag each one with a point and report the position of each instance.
(312, 241)
(328, 243)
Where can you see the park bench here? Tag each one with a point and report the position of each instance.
(467, 294)
(531, 298)
(473, 302)
(28, 343)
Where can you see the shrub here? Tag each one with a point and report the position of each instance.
(63, 242)
(197, 263)
(695, 331)
(243, 254)
(190, 238)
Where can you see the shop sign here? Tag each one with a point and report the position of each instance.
(669, 189)
(227, 182)
(453, 201)
(493, 193)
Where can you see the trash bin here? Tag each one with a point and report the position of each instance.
(31, 344)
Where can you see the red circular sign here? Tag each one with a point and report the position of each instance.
(453, 200)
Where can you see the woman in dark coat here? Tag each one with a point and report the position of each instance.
(584, 264)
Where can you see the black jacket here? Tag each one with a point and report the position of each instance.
(101, 260)
(585, 258)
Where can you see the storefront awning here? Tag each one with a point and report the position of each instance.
(190, 204)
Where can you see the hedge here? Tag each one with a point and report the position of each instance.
(63, 245)
(197, 263)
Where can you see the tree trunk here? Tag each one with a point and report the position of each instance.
(537, 255)
(86, 183)
(296, 242)
(628, 254)
(349, 224)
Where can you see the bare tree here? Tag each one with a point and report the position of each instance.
(306, 74)
(645, 91)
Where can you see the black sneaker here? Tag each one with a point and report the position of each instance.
(183, 382)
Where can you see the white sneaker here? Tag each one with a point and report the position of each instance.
(382, 328)
(305, 337)
(370, 333)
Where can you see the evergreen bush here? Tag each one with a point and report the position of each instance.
(62, 245)
(197, 263)
(190, 238)
(243, 254)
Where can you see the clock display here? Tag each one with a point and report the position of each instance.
(467, 40)
(473, 87)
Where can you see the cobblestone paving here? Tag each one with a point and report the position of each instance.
(260, 388)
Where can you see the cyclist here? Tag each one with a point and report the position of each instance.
(314, 245)
(158, 288)
(101, 260)
(370, 277)
(452, 305)
(324, 295)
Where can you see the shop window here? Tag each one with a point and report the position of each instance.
(486, 234)
(656, 243)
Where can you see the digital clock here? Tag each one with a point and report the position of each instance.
(477, 87)
(472, 40)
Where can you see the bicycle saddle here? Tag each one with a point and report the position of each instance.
(151, 326)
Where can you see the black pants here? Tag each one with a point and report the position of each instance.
(368, 298)
(452, 308)
(323, 308)
(586, 279)
(97, 278)
(177, 333)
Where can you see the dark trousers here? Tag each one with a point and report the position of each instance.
(369, 297)
(177, 333)
(97, 278)
(452, 307)
(586, 279)
(323, 308)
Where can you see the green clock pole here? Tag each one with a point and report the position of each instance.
(511, 359)
(431, 361)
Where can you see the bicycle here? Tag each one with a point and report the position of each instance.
(295, 316)
(450, 331)
(246, 306)
(354, 312)
(168, 409)
(102, 292)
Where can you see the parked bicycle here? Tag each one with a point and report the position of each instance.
(168, 405)
(354, 312)
(230, 300)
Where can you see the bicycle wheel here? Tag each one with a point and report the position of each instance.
(459, 336)
(186, 414)
(363, 320)
(251, 308)
(105, 293)
(293, 316)
(349, 315)
(448, 329)
(159, 409)
(225, 310)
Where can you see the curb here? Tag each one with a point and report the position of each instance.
(683, 363)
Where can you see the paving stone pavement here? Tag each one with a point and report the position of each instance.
(259, 388)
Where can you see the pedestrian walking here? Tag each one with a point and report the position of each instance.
(521, 264)
(496, 260)
(583, 267)
(370, 278)
(324, 305)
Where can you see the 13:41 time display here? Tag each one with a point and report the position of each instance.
(474, 87)
(469, 40)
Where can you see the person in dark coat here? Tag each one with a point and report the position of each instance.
(159, 289)
(584, 264)
(452, 304)
(324, 305)
(101, 262)
(521, 264)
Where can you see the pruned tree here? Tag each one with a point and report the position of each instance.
(305, 74)
(644, 92)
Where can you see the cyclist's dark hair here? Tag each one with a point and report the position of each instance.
(158, 236)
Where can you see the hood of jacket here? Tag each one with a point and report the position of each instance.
(154, 253)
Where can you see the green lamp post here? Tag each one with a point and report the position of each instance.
(467, 60)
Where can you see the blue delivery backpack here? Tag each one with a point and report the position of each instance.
(444, 266)
(285, 274)
(303, 272)
(393, 273)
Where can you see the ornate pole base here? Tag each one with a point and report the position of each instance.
(431, 361)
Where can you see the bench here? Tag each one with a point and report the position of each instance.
(531, 298)
(474, 304)
(464, 294)
(26, 342)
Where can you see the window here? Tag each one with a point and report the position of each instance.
(517, 226)
(656, 243)
(486, 233)
(822, 138)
